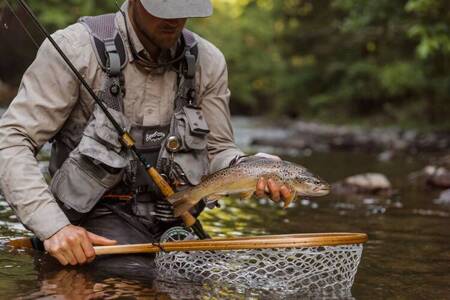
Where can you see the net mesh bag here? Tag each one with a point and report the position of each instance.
(289, 270)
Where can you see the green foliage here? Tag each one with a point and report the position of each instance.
(339, 60)
(244, 32)
(56, 14)
(400, 78)
(370, 59)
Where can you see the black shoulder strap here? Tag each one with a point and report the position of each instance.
(189, 67)
(190, 41)
(107, 43)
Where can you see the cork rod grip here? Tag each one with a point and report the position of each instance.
(167, 191)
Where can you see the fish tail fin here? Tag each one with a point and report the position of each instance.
(181, 207)
(178, 196)
(182, 202)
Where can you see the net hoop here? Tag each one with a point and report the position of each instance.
(241, 243)
(236, 243)
(268, 242)
(287, 264)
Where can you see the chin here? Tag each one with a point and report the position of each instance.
(168, 42)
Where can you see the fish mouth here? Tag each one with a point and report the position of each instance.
(322, 190)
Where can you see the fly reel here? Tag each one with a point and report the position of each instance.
(177, 233)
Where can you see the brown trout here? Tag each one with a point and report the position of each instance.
(242, 178)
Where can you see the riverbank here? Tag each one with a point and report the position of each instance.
(311, 136)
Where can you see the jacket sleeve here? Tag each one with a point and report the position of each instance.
(215, 101)
(46, 97)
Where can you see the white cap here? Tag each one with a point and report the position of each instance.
(176, 9)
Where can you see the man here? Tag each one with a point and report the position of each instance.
(51, 105)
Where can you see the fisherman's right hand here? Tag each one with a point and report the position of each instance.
(74, 245)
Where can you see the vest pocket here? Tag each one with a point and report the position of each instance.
(191, 160)
(80, 183)
(95, 166)
(192, 129)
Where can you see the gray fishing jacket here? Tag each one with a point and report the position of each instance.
(50, 98)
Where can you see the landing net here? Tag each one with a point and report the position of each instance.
(290, 269)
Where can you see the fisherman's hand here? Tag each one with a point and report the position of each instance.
(74, 245)
(275, 191)
(267, 156)
(268, 187)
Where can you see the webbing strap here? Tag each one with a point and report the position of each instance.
(113, 62)
(106, 40)
(111, 55)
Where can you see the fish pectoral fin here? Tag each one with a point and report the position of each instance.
(289, 200)
(246, 195)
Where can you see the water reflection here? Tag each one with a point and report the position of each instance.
(76, 284)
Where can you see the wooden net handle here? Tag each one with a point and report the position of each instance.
(255, 242)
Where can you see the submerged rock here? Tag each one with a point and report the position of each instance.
(437, 176)
(369, 184)
(444, 198)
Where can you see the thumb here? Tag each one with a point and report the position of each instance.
(268, 156)
(100, 240)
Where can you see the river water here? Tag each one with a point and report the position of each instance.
(407, 255)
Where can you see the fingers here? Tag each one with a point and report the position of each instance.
(260, 187)
(60, 257)
(285, 192)
(76, 250)
(100, 240)
(268, 156)
(94, 239)
(276, 191)
(88, 249)
(288, 195)
(70, 256)
(57, 248)
(73, 245)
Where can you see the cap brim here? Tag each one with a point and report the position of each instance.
(175, 9)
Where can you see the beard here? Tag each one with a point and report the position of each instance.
(162, 39)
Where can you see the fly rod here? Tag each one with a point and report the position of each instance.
(126, 139)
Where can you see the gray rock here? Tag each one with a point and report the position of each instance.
(437, 176)
(353, 137)
(368, 184)
(369, 181)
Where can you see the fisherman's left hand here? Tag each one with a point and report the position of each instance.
(269, 188)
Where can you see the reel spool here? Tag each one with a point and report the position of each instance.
(164, 212)
(177, 233)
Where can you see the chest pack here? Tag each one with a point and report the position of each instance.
(98, 161)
